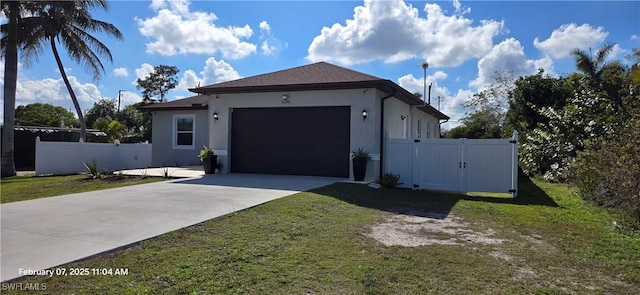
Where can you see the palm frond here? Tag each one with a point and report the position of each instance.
(603, 52)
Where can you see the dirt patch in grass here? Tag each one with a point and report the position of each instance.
(413, 229)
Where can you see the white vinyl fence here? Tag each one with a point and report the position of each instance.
(463, 165)
(53, 157)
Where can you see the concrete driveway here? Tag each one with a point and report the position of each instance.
(44, 233)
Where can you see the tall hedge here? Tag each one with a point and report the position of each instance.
(609, 173)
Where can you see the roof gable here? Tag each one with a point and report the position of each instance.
(313, 74)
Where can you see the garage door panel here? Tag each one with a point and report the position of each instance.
(295, 141)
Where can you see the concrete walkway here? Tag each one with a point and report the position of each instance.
(43, 233)
(174, 172)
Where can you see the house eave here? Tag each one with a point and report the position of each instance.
(386, 86)
(154, 108)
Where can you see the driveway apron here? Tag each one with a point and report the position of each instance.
(44, 233)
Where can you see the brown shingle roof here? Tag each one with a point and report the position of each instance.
(303, 76)
(193, 102)
(317, 76)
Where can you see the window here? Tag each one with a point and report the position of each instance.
(419, 133)
(184, 131)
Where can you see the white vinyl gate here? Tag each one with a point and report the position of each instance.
(462, 165)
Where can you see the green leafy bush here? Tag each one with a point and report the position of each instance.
(390, 180)
(550, 149)
(92, 169)
(361, 154)
(608, 174)
(205, 153)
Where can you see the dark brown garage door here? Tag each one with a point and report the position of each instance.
(291, 141)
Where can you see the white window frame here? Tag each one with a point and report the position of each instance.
(175, 132)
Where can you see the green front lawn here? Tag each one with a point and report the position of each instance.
(22, 188)
(546, 242)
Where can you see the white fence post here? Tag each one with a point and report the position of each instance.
(514, 162)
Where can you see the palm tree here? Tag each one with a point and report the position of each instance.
(592, 66)
(70, 24)
(31, 25)
(10, 53)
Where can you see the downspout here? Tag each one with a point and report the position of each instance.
(382, 130)
(440, 127)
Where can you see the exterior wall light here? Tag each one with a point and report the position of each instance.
(215, 116)
(285, 99)
(364, 114)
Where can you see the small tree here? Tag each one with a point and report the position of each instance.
(103, 108)
(113, 128)
(489, 106)
(158, 83)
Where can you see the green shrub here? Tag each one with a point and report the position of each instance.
(608, 174)
(360, 154)
(390, 180)
(92, 169)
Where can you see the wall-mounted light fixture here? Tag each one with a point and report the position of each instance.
(215, 116)
(285, 99)
(365, 114)
(403, 117)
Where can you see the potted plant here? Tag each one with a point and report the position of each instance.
(359, 158)
(209, 160)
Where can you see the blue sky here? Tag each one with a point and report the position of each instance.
(465, 42)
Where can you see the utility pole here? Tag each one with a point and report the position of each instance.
(119, 93)
(425, 65)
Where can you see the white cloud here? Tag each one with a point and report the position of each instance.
(545, 63)
(568, 37)
(617, 52)
(458, 6)
(394, 31)
(267, 48)
(265, 26)
(177, 30)
(270, 44)
(213, 72)
(635, 37)
(53, 91)
(416, 84)
(121, 72)
(507, 56)
(128, 97)
(142, 72)
(451, 105)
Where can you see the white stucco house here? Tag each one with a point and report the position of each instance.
(300, 121)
